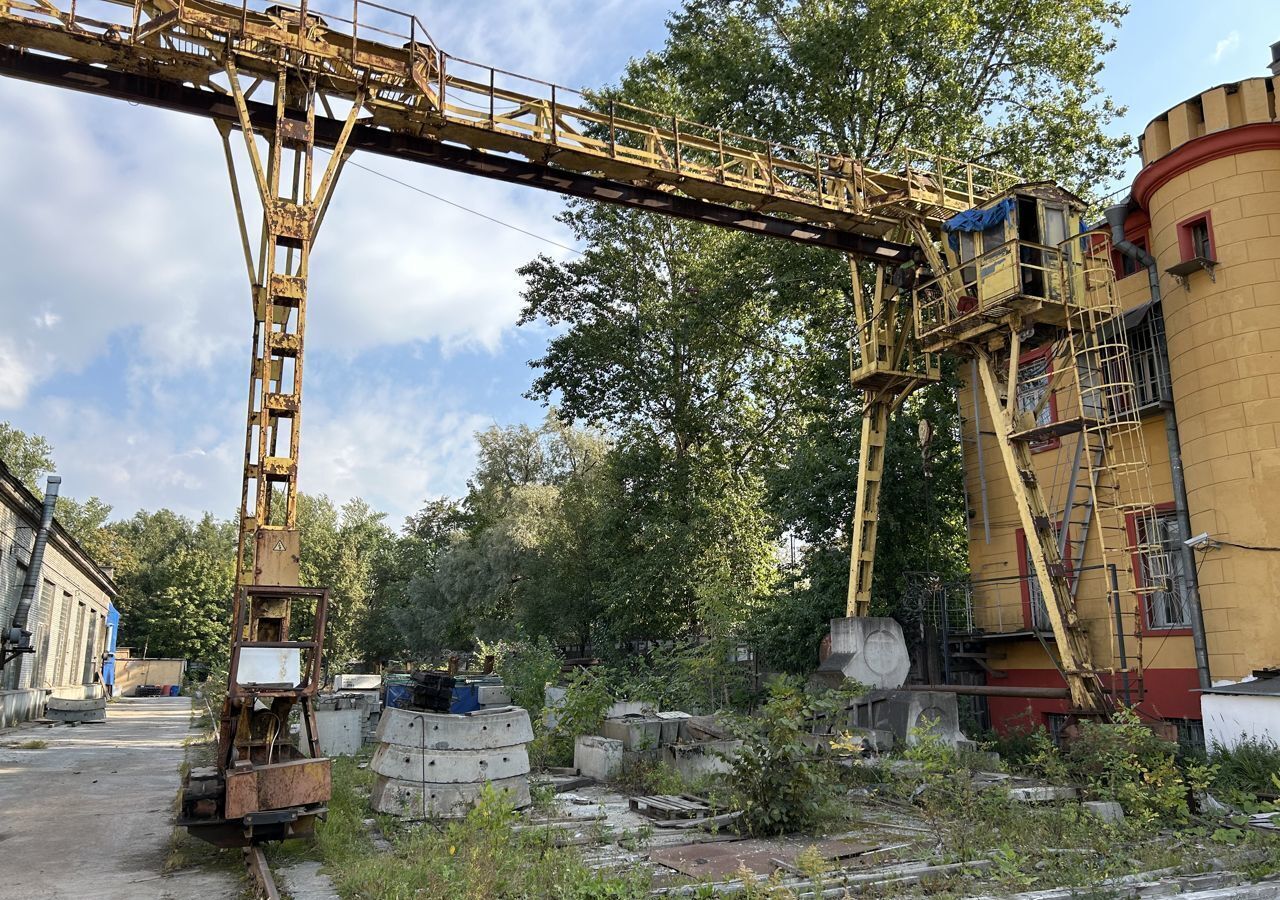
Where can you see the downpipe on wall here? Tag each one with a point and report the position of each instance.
(17, 639)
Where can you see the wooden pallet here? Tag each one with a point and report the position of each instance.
(671, 806)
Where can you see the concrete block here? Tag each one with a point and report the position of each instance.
(900, 712)
(60, 709)
(870, 650)
(339, 731)
(1106, 810)
(450, 766)
(635, 732)
(493, 695)
(672, 725)
(694, 761)
(357, 682)
(484, 729)
(1047, 793)
(597, 757)
(628, 708)
(421, 800)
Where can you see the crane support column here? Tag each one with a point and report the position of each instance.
(263, 788)
(889, 370)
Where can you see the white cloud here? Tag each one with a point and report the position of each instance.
(1225, 47)
(126, 305)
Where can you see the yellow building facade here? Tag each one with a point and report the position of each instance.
(1206, 206)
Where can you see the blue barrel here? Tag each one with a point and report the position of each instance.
(173, 690)
(466, 698)
(398, 695)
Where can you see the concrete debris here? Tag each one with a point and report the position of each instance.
(870, 650)
(75, 712)
(1044, 793)
(1106, 810)
(437, 764)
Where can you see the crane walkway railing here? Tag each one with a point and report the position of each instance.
(411, 83)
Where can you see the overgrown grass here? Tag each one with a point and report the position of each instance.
(30, 745)
(480, 857)
(1062, 845)
(186, 851)
(1248, 770)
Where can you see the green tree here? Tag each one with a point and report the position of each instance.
(176, 584)
(1008, 83)
(668, 347)
(340, 549)
(28, 456)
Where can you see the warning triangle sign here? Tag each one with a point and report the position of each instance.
(279, 547)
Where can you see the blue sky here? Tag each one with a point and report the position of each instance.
(126, 303)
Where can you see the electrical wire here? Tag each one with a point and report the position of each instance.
(474, 212)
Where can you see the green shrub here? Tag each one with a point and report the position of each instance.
(586, 700)
(526, 667)
(1124, 760)
(779, 782)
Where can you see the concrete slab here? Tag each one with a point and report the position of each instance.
(480, 730)
(90, 816)
(450, 766)
(421, 800)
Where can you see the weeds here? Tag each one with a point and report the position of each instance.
(649, 777)
(1246, 771)
(30, 745)
(778, 781)
(481, 856)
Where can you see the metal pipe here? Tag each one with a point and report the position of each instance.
(1115, 218)
(18, 638)
(992, 690)
(1124, 658)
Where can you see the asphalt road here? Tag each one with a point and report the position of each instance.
(90, 816)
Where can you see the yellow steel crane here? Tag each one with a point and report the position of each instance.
(355, 75)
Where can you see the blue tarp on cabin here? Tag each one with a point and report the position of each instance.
(976, 220)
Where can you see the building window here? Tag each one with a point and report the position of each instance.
(1036, 405)
(1146, 360)
(1126, 265)
(1035, 594)
(1195, 238)
(1161, 569)
(1035, 613)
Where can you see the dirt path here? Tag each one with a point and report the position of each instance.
(90, 816)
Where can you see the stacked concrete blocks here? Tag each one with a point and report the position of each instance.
(436, 764)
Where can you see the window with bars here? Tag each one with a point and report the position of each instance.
(1162, 569)
(1146, 360)
(1035, 370)
(1039, 613)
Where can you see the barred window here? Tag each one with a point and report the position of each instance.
(1162, 569)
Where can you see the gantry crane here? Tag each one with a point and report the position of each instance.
(294, 79)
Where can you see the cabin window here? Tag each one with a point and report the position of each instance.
(1055, 225)
(968, 271)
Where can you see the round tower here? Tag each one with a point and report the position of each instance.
(1206, 205)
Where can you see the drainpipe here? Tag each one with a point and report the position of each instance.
(1115, 218)
(17, 639)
